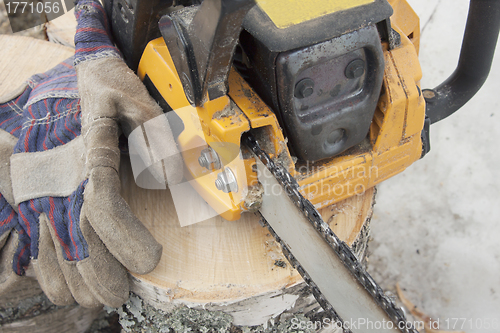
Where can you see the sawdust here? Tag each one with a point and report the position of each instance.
(253, 200)
(263, 136)
(283, 158)
(187, 14)
(227, 112)
(280, 263)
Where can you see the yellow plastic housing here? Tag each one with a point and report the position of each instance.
(219, 124)
(392, 145)
(285, 13)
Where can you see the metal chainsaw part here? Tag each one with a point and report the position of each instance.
(326, 263)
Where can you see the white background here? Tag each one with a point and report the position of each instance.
(447, 205)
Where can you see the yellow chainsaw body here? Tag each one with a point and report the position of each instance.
(393, 142)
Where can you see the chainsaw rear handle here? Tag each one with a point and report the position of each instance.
(476, 56)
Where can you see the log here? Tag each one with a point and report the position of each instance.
(26, 308)
(21, 57)
(62, 29)
(232, 272)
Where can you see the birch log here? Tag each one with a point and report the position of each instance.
(217, 267)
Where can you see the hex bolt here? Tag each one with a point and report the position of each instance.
(226, 181)
(335, 136)
(209, 159)
(355, 69)
(304, 88)
(219, 182)
(202, 160)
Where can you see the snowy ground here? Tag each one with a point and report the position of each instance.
(436, 226)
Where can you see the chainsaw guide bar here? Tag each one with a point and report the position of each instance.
(326, 263)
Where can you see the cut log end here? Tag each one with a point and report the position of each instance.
(234, 268)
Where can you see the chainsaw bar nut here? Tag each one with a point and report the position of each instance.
(226, 181)
(209, 159)
(355, 69)
(304, 88)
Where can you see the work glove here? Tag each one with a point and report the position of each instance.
(65, 171)
(14, 243)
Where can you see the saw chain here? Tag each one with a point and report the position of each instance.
(342, 250)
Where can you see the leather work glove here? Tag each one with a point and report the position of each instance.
(65, 171)
(14, 243)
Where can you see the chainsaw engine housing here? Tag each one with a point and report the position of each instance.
(324, 88)
(252, 103)
(328, 92)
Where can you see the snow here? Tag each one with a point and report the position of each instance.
(436, 225)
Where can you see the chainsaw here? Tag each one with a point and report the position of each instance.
(319, 99)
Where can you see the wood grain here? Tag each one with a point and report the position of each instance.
(62, 29)
(228, 265)
(21, 57)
